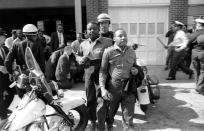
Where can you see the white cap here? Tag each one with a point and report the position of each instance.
(199, 20)
(178, 23)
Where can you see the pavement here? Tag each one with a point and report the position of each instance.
(178, 109)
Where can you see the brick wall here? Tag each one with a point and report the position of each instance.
(94, 8)
(178, 10)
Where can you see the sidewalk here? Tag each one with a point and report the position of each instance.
(177, 110)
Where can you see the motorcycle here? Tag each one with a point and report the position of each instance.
(38, 109)
(148, 92)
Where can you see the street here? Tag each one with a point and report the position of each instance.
(178, 109)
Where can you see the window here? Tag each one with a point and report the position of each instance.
(124, 26)
(151, 28)
(142, 28)
(160, 28)
(133, 28)
(115, 26)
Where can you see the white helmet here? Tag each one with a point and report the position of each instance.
(103, 17)
(30, 29)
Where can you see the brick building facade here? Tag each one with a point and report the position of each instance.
(95, 7)
(178, 10)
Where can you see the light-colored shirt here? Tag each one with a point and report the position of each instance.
(180, 39)
(47, 38)
(94, 50)
(17, 40)
(116, 63)
(75, 45)
(9, 42)
(61, 39)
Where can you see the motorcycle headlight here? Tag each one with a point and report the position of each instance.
(22, 81)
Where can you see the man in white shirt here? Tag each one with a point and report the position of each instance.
(9, 40)
(180, 39)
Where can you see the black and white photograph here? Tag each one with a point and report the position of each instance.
(101, 65)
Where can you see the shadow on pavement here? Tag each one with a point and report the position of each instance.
(168, 114)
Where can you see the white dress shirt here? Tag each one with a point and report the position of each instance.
(61, 39)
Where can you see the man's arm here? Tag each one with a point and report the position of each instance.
(10, 58)
(62, 69)
(104, 69)
(41, 58)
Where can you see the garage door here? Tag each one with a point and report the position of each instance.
(143, 25)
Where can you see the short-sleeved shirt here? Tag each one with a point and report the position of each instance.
(9, 42)
(117, 63)
(94, 50)
(75, 45)
(180, 39)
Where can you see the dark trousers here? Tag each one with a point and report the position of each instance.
(178, 62)
(4, 84)
(108, 111)
(169, 57)
(198, 67)
(91, 80)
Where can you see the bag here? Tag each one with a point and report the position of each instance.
(155, 92)
(154, 87)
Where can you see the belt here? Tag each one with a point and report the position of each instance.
(95, 63)
(122, 79)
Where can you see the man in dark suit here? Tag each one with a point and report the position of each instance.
(58, 38)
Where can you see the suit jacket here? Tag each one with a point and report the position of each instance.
(55, 41)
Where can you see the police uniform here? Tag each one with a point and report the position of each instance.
(117, 64)
(18, 52)
(108, 34)
(94, 51)
(197, 39)
(180, 39)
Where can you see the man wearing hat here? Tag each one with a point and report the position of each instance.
(180, 39)
(197, 40)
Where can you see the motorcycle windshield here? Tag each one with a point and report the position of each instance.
(32, 63)
(35, 68)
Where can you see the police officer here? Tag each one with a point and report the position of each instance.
(17, 51)
(197, 40)
(118, 63)
(104, 22)
(90, 55)
(179, 40)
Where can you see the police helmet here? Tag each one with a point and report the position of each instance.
(30, 29)
(103, 17)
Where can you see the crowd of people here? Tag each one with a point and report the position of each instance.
(185, 48)
(102, 60)
(105, 75)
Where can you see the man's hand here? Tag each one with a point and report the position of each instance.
(60, 93)
(83, 60)
(3, 70)
(105, 94)
(134, 71)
